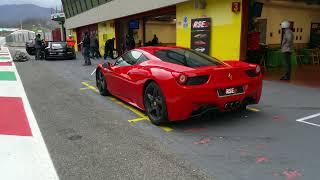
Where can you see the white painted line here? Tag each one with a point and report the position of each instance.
(313, 124)
(309, 117)
(7, 68)
(10, 89)
(304, 120)
(93, 72)
(24, 158)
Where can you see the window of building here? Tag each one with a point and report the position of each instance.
(72, 9)
(89, 4)
(95, 3)
(69, 9)
(79, 7)
(84, 5)
(65, 11)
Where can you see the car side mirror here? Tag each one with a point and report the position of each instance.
(107, 65)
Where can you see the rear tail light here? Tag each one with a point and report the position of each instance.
(198, 80)
(251, 73)
(185, 80)
(182, 79)
(254, 72)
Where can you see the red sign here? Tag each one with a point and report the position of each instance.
(200, 24)
(236, 7)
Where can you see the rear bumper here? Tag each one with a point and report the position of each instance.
(60, 56)
(192, 100)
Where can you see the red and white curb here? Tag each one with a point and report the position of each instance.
(23, 153)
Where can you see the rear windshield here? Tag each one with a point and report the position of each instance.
(58, 45)
(186, 57)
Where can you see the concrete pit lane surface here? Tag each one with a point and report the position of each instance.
(93, 137)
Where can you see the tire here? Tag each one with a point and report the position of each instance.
(155, 105)
(101, 83)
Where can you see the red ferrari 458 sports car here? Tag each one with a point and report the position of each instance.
(173, 83)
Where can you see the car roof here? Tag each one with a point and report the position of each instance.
(57, 41)
(153, 49)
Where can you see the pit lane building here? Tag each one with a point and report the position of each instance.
(220, 28)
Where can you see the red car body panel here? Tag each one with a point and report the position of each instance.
(128, 83)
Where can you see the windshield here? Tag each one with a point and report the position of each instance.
(59, 45)
(187, 57)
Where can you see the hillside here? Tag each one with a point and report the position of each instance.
(11, 15)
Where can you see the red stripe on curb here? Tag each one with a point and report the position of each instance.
(13, 118)
(5, 63)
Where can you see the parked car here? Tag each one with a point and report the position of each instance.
(59, 50)
(173, 83)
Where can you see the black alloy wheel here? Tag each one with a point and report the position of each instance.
(101, 83)
(155, 104)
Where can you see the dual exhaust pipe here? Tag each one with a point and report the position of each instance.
(233, 105)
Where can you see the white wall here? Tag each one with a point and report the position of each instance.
(116, 9)
(302, 15)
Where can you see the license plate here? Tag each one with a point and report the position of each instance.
(231, 91)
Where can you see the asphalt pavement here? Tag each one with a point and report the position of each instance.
(91, 137)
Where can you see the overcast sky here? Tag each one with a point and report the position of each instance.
(43, 3)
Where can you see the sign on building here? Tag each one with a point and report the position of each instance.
(201, 34)
(185, 22)
(58, 17)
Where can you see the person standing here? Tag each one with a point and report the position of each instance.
(70, 41)
(86, 49)
(106, 49)
(287, 48)
(132, 42)
(38, 46)
(155, 40)
(96, 47)
(92, 46)
(127, 43)
(109, 48)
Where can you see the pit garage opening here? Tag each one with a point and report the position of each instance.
(141, 28)
(164, 27)
(265, 34)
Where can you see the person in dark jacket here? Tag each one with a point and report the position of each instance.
(287, 48)
(127, 43)
(97, 52)
(94, 46)
(38, 46)
(155, 40)
(86, 49)
(132, 42)
(109, 48)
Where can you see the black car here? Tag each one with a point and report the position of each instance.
(59, 50)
